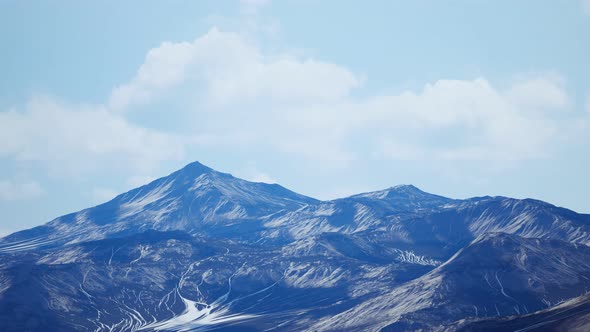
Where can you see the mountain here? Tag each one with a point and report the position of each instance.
(194, 199)
(200, 249)
(572, 315)
(497, 274)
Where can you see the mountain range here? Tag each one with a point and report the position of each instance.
(201, 250)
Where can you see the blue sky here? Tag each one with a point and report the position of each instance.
(328, 98)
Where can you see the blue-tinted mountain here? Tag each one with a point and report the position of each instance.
(571, 315)
(194, 199)
(496, 275)
(200, 249)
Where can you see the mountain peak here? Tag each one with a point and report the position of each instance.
(405, 188)
(392, 192)
(195, 168)
(186, 176)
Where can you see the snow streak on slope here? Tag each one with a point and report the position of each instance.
(200, 250)
(200, 315)
(475, 280)
(24, 245)
(139, 201)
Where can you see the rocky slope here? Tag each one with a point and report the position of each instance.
(200, 249)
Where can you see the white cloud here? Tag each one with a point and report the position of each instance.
(232, 69)
(233, 95)
(295, 104)
(446, 120)
(457, 119)
(540, 92)
(77, 138)
(585, 6)
(15, 191)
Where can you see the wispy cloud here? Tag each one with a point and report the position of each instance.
(232, 69)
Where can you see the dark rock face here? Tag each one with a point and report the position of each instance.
(572, 315)
(200, 250)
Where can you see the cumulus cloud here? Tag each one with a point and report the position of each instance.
(231, 68)
(540, 92)
(460, 119)
(232, 94)
(74, 138)
(11, 190)
(300, 105)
